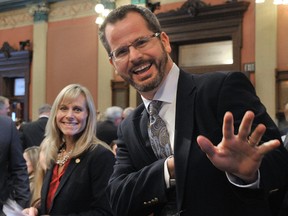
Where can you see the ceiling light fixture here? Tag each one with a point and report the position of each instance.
(103, 8)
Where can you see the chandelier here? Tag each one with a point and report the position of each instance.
(103, 8)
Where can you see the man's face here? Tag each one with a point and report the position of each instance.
(142, 67)
(6, 108)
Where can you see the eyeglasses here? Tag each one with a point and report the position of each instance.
(141, 44)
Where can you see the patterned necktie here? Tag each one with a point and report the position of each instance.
(158, 134)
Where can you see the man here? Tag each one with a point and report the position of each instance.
(32, 133)
(12, 166)
(215, 123)
(4, 106)
(127, 111)
(107, 129)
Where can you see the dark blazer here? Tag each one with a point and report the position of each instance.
(106, 131)
(32, 133)
(82, 187)
(12, 165)
(137, 185)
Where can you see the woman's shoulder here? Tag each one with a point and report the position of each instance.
(100, 156)
(99, 150)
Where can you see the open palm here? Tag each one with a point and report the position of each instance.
(239, 154)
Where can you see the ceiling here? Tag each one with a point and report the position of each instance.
(6, 5)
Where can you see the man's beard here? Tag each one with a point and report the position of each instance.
(157, 80)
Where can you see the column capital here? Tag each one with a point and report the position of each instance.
(40, 12)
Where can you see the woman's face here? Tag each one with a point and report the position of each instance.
(71, 116)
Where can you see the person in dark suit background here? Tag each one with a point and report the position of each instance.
(226, 158)
(12, 166)
(107, 129)
(79, 164)
(32, 133)
(4, 106)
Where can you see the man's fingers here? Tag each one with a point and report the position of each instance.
(268, 146)
(257, 134)
(206, 146)
(245, 126)
(228, 126)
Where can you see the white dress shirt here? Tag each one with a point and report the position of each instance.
(167, 94)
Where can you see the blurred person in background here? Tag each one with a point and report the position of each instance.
(14, 180)
(32, 133)
(40, 172)
(31, 156)
(127, 111)
(4, 106)
(107, 129)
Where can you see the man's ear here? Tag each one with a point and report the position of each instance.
(112, 63)
(166, 42)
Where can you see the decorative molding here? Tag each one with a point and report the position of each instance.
(190, 7)
(65, 10)
(6, 49)
(72, 9)
(15, 18)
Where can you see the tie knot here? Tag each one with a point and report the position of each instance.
(154, 107)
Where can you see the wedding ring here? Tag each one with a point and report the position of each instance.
(250, 142)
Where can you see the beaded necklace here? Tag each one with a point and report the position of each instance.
(62, 156)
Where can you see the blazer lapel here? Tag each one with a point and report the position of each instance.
(71, 166)
(184, 127)
(141, 124)
(67, 174)
(45, 188)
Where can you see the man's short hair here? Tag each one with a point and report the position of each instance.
(45, 108)
(2, 101)
(113, 113)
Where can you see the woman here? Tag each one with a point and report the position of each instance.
(80, 164)
(31, 156)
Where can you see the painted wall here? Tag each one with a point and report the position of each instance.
(72, 55)
(14, 35)
(282, 32)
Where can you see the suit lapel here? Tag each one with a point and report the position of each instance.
(45, 188)
(141, 125)
(184, 127)
(71, 166)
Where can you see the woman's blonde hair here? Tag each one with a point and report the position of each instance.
(84, 140)
(39, 176)
(33, 155)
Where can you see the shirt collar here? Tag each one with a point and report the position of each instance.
(168, 89)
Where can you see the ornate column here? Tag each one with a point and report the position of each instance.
(265, 54)
(38, 78)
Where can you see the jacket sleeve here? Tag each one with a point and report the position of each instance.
(127, 188)
(18, 170)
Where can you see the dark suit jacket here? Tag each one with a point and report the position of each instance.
(32, 133)
(12, 165)
(82, 187)
(137, 185)
(106, 131)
